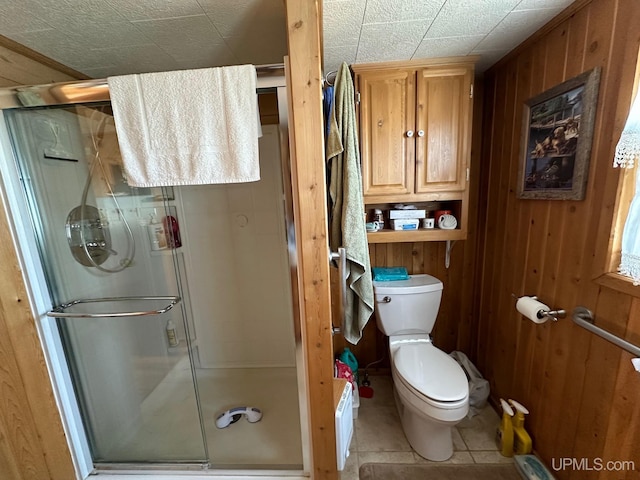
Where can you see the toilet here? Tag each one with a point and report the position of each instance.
(430, 387)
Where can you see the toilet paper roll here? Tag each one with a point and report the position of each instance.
(532, 308)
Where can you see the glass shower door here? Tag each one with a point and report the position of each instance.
(115, 274)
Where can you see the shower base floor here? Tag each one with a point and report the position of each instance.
(169, 426)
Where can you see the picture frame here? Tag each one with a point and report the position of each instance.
(557, 133)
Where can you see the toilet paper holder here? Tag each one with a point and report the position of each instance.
(555, 314)
(549, 314)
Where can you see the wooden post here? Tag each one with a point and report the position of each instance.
(310, 212)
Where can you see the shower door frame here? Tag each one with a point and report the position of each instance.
(270, 78)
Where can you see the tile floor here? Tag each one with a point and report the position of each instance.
(378, 435)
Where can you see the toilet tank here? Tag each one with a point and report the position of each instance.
(407, 306)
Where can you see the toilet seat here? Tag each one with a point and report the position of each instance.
(431, 374)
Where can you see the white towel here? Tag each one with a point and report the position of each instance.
(187, 127)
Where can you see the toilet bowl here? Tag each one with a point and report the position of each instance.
(431, 389)
(432, 395)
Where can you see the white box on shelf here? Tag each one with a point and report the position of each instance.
(405, 224)
(397, 214)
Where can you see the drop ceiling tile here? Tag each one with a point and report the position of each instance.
(244, 17)
(334, 56)
(515, 28)
(383, 11)
(469, 17)
(89, 60)
(137, 59)
(52, 43)
(150, 9)
(381, 42)
(67, 13)
(341, 22)
(254, 49)
(232, 8)
(108, 35)
(190, 64)
(183, 31)
(16, 18)
(539, 4)
(201, 54)
(447, 46)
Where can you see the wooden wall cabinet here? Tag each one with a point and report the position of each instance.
(415, 138)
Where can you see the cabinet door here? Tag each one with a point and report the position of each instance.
(443, 128)
(387, 119)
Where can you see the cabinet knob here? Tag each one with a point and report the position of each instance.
(421, 133)
(410, 133)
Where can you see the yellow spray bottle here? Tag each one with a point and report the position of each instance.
(504, 434)
(522, 443)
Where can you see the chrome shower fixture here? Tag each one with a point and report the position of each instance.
(89, 240)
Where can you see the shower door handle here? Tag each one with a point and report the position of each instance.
(341, 257)
(59, 311)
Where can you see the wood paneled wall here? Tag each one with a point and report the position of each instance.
(580, 389)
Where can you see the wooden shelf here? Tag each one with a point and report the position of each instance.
(414, 198)
(421, 235)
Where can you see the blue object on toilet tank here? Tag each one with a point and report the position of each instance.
(350, 359)
(386, 274)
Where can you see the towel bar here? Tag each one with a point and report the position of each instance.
(584, 317)
(58, 312)
(341, 257)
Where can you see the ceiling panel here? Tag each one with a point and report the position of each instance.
(469, 17)
(447, 46)
(154, 9)
(512, 28)
(110, 37)
(382, 11)
(390, 41)
(342, 20)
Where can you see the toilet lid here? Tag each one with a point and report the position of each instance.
(431, 372)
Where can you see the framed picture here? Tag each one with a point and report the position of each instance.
(557, 130)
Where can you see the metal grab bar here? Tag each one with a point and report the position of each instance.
(583, 317)
(341, 257)
(58, 312)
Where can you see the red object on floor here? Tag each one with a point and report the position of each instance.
(365, 392)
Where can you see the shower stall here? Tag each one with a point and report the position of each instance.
(167, 314)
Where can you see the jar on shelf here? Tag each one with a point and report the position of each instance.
(378, 216)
